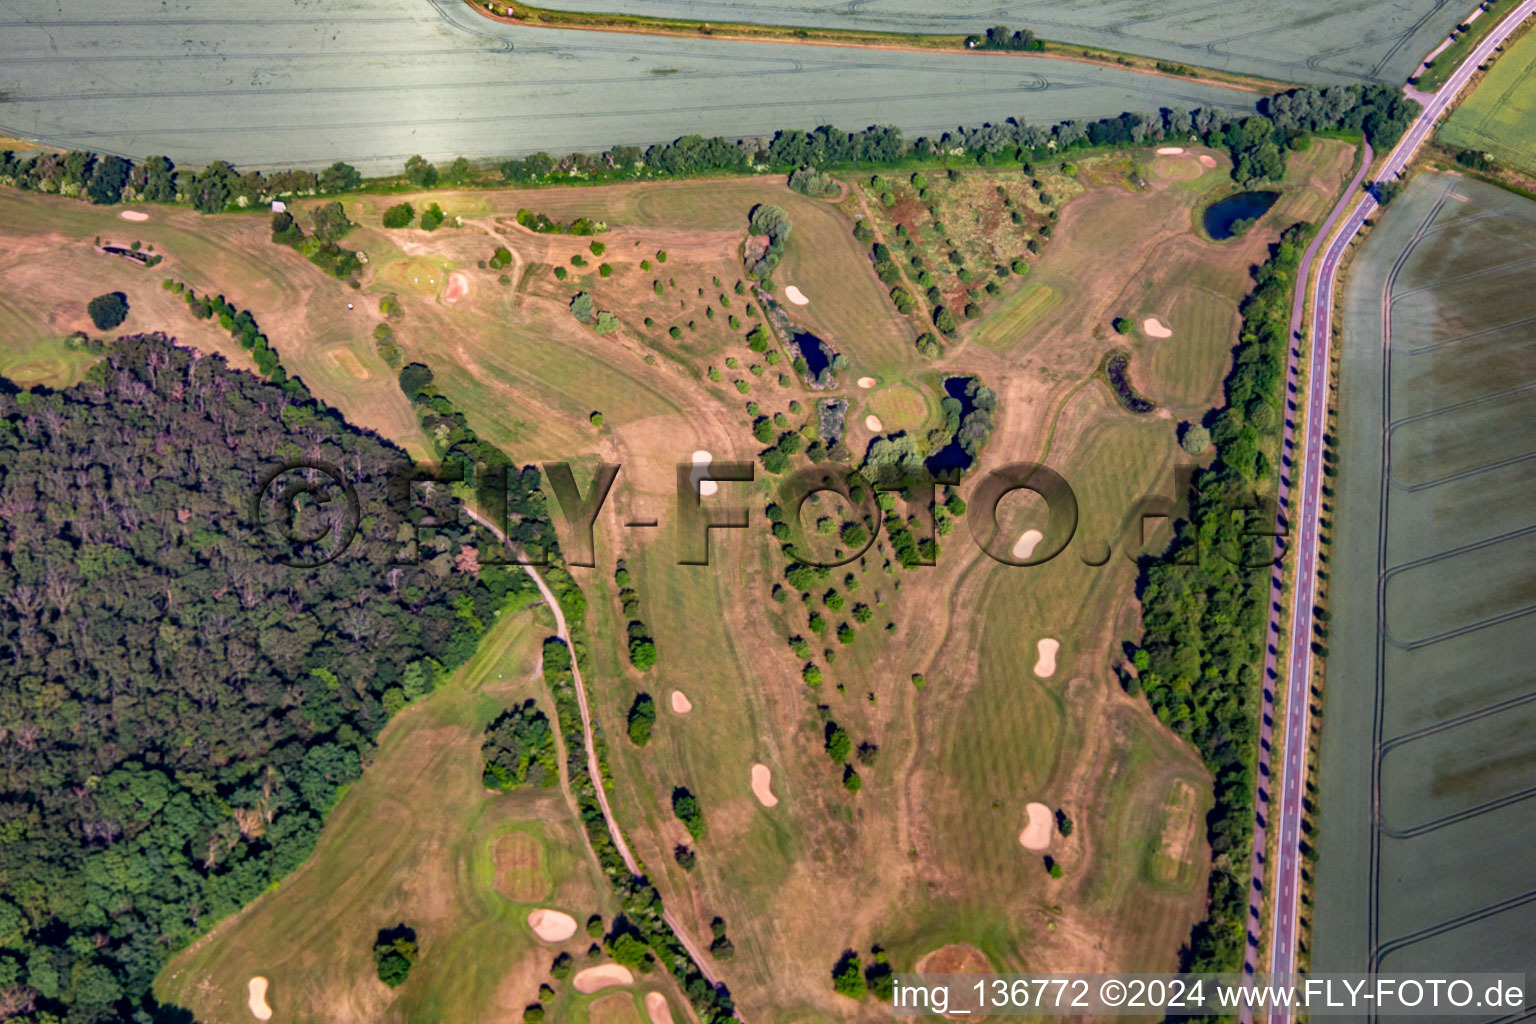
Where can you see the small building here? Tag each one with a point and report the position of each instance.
(278, 206)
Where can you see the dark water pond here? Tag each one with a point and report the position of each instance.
(1235, 214)
(816, 354)
(953, 455)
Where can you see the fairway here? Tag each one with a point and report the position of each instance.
(1429, 685)
(372, 84)
(1499, 116)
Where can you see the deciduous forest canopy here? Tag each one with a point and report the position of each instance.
(179, 710)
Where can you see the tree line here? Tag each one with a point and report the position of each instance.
(1204, 618)
(1380, 112)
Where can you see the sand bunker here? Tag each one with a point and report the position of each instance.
(702, 458)
(1037, 834)
(458, 287)
(140, 215)
(1025, 545)
(1045, 664)
(866, 382)
(657, 1007)
(872, 424)
(762, 780)
(681, 704)
(796, 296)
(1206, 160)
(594, 979)
(1152, 327)
(1169, 150)
(256, 998)
(552, 925)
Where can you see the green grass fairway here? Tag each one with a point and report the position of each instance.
(418, 839)
(1499, 117)
(1429, 685)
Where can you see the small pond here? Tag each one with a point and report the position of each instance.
(815, 352)
(1235, 214)
(953, 455)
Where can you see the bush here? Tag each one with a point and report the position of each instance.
(848, 976)
(432, 217)
(605, 270)
(1196, 439)
(1121, 325)
(685, 806)
(398, 216)
(582, 308)
(598, 248)
(107, 311)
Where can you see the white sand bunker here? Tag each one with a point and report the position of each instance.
(1045, 664)
(866, 382)
(701, 459)
(552, 925)
(872, 424)
(796, 296)
(1169, 150)
(458, 287)
(1152, 327)
(657, 1008)
(256, 998)
(140, 215)
(1025, 545)
(762, 781)
(681, 704)
(594, 979)
(1206, 160)
(1037, 833)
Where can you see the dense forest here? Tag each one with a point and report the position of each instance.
(1204, 613)
(178, 709)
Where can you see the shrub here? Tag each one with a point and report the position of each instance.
(685, 806)
(107, 311)
(561, 273)
(398, 216)
(604, 270)
(1196, 439)
(394, 951)
(598, 248)
(432, 217)
(848, 977)
(582, 308)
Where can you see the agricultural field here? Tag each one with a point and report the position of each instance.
(1311, 41)
(996, 796)
(1428, 716)
(374, 84)
(1499, 116)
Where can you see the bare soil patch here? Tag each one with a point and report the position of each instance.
(955, 958)
(458, 287)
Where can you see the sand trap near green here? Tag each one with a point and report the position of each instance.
(134, 215)
(1169, 150)
(762, 785)
(1045, 662)
(256, 998)
(552, 925)
(595, 979)
(1037, 832)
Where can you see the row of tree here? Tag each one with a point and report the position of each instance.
(1205, 618)
(1380, 112)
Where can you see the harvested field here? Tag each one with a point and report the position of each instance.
(152, 85)
(1432, 599)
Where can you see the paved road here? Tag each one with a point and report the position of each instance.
(593, 768)
(1286, 879)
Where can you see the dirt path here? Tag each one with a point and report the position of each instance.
(614, 832)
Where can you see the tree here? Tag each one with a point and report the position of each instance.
(394, 951)
(607, 322)
(838, 745)
(398, 216)
(1063, 822)
(339, 177)
(685, 806)
(582, 307)
(108, 179)
(330, 221)
(848, 976)
(107, 311)
(1121, 325)
(1196, 439)
(432, 217)
(420, 172)
(519, 750)
(642, 717)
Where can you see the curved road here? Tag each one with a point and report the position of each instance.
(593, 768)
(1286, 882)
